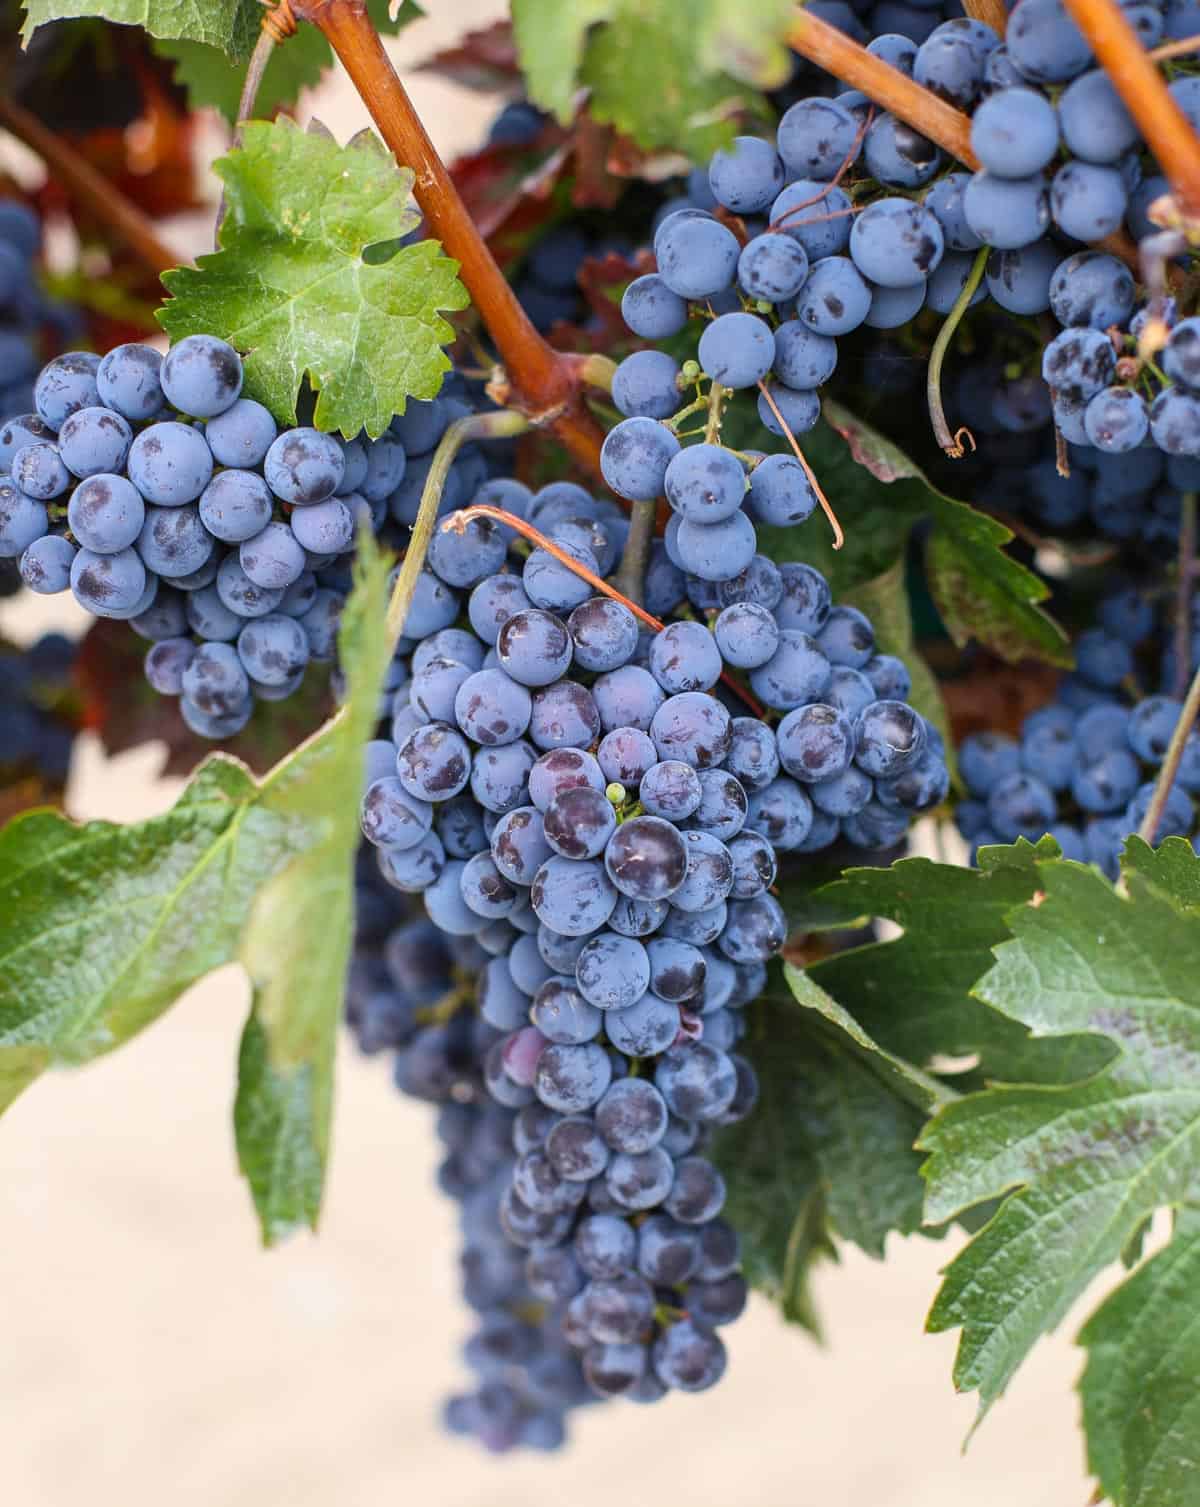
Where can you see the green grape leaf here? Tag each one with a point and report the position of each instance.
(668, 75)
(230, 25)
(1141, 1397)
(103, 927)
(1171, 866)
(297, 289)
(297, 940)
(913, 994)
(1086, 1163)
(211, 80)
(981, 592)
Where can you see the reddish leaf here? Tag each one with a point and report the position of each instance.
(602, 281)
(485, 60)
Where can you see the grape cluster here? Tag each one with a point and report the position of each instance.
(27, 316)
(1084, 767)
(37, 730)
(155, 493)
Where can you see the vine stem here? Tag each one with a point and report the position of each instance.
(1148, 831)
(1183, 593)
(90, 187)
(631, 575)
(546, 381)
(951, 443)
(839, 537)
(476, 426)
(991, 12)
(459, 520)
(712, 429)
(1144, 92)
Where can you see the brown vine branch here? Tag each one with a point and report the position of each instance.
(991, 12)
(89, 187)
(918, 107)
(1144, 93)
(543, 379)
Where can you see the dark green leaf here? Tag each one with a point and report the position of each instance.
(1091, 1160)
(1171, 866)
(1141, 1388)
(231, 25)
(292, 289)
(913, 995)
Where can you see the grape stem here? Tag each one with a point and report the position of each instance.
(951, 443)
(89, 187)
(544, 380)
(1183, 593)
(631, 574)
(1143, 90)
(477, 426)
(839, 537)
(716, 401)
(1148, 831)
(459, 520)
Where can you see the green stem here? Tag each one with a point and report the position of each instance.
(951, 443)
(1183, 593)
(630, 579)
(716, 398)
(597, 371)
(1148, 831)
(699, 405)
(502, 424)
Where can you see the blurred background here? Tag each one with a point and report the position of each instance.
(151, 1349)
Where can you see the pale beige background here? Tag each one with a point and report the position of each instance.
(150, 1352)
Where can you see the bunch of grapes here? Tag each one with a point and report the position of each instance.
(1084, 767)
(155, 493)
(28, 318)
(37, 728)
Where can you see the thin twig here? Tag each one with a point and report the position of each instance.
(1183, 593)
(951, 443)
(991, 12)
(1148, 831)
(1143, 90)
(839, 537)
(89, 187)
(476, 426)
(716, 401)
(463, 516)
(1174, 49)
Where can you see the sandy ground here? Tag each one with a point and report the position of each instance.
(151, 1351)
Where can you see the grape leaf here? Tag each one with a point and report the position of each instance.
(980, 591)
(1141, 1399)
(913, 994)
(295, 289)
(231, 25)
(1087, 1163)
(661, 72)
(102, 927)
(211, 80)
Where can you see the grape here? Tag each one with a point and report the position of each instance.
(625, 755)
(94, 440)
(1044, 43)
(214, 680)
(1087, 201)
(170, 464)
(896, 243)
(242, 434)
(1014, 133)
(1093, 289)
(39, 471)
(500, 776)
(1175, 422)
(573, 898)
(898, 156)
(1007, 213)
(127, 381)
(562, 1014)
(945, 201)
(604, 634)
(272, 559)
(612, 971)
(65, 385)
(651, 309)
(564, 715)
(1019, 280)
(646, 858)
(817, 215)
(723, 805)
(491, 708)
(45, 564)
(1078, 363)
(173, 541)
(635, 456)
(236, 505)
(534, 647)
(716, 551)
(106, 514)
(772, 268)
(550, 584)
(746, 176)
(108, 585)
(201, 375)
(707, 873)
(803, 359)
(736, 349)
(166, 662)
(685, 657)
(578, 823)
(697, 256)
(304, 466)
(647, 384)
(572, 1078)
(756, 929)
(753, 756)
(326, 528)
(799, 410)
(1116, 420)
(834, 300)
(215, 725)
(1095, 123)
(754, 865)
